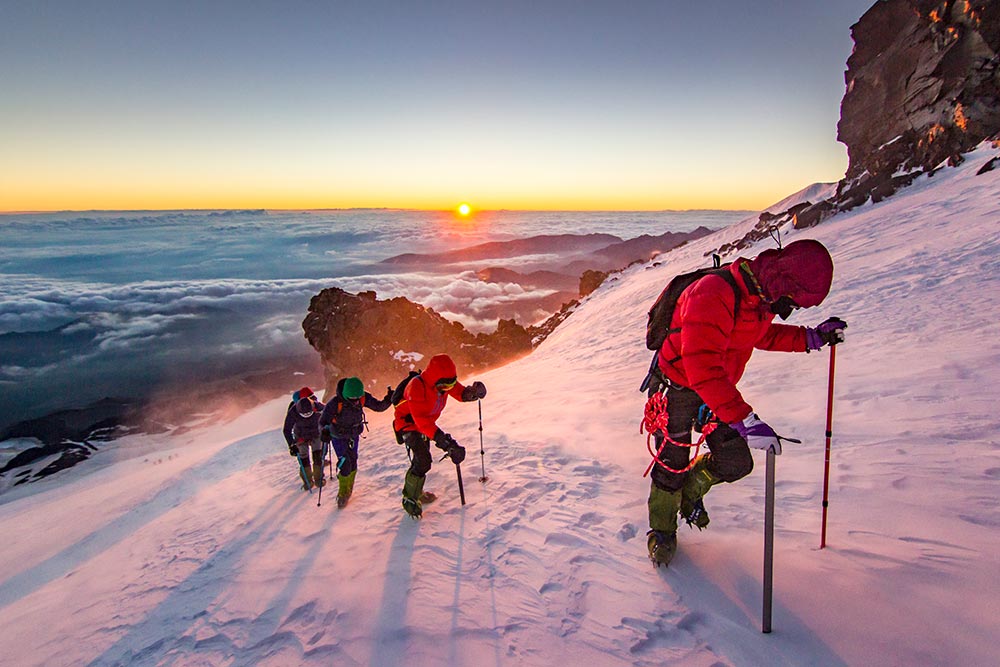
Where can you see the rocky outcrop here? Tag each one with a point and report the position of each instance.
(380, 341)
(591, 280)
(66, 437)
(923, 87)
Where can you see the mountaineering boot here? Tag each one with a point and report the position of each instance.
(412, 507)
(695, 514)
(699, 480)
(662, 537)
(346, 483)
(412, 488)
(662, 547)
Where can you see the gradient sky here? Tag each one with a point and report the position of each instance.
(523, 105)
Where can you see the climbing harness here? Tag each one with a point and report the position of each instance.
(655, 419)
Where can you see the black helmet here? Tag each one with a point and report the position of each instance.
(305, 407)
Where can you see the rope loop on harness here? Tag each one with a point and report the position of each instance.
(655, 418)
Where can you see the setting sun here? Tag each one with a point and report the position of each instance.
(464, 209)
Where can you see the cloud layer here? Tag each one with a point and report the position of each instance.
(105, 302)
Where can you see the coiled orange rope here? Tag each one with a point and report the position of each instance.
(655, 419)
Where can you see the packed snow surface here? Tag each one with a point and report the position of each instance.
(201, 549)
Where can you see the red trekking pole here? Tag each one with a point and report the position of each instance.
(829, 434)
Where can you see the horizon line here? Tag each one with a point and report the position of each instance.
(378, 208)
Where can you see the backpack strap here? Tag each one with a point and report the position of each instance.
(737, 294)
(726, 275)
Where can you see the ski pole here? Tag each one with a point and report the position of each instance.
(482, 452)
(331, 453)
(768, 540)
(829, 435)
(321, 484)
(461, 487)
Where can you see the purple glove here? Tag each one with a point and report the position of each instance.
(829, 332)
(758, 434)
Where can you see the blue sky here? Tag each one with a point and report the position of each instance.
(576, 105)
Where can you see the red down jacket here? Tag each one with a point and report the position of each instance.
(422, 404)
(711, 349)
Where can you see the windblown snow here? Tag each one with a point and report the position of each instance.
(202, 549)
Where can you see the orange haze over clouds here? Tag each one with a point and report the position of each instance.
(213, 183)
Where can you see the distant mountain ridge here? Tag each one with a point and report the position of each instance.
(573, 253)
(361, 335)
(532, 245)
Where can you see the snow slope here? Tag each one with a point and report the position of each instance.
(201, 550)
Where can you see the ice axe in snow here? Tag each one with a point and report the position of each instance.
(768, 540)
(458, 471)
(769, 535)
(461, 487)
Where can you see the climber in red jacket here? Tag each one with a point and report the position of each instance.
(704, 356)
(416, 421)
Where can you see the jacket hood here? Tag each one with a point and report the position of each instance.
(440, 366)
(802, 270)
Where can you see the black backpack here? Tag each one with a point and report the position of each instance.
(662, 311)
(397, 398)
(397, 393)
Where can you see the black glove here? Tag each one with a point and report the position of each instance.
(293, 450)
(388, 394)
(443, 440)
(324, 435)
(474, 391)
(456, 453)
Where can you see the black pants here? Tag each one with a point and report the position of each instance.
(346, 448)
(317, 453)
(729, 459)
(420, 451)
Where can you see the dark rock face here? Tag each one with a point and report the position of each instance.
(70, 434)
(923, 87)
(379, 341)
(591, 280)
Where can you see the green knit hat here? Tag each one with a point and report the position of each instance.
(353, 388)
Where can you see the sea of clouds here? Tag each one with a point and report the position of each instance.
(110, 303)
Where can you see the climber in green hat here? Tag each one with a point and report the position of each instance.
(341, 424)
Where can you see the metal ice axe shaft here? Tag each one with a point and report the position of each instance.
(461, 487)
(768, 539)
(458, 471)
